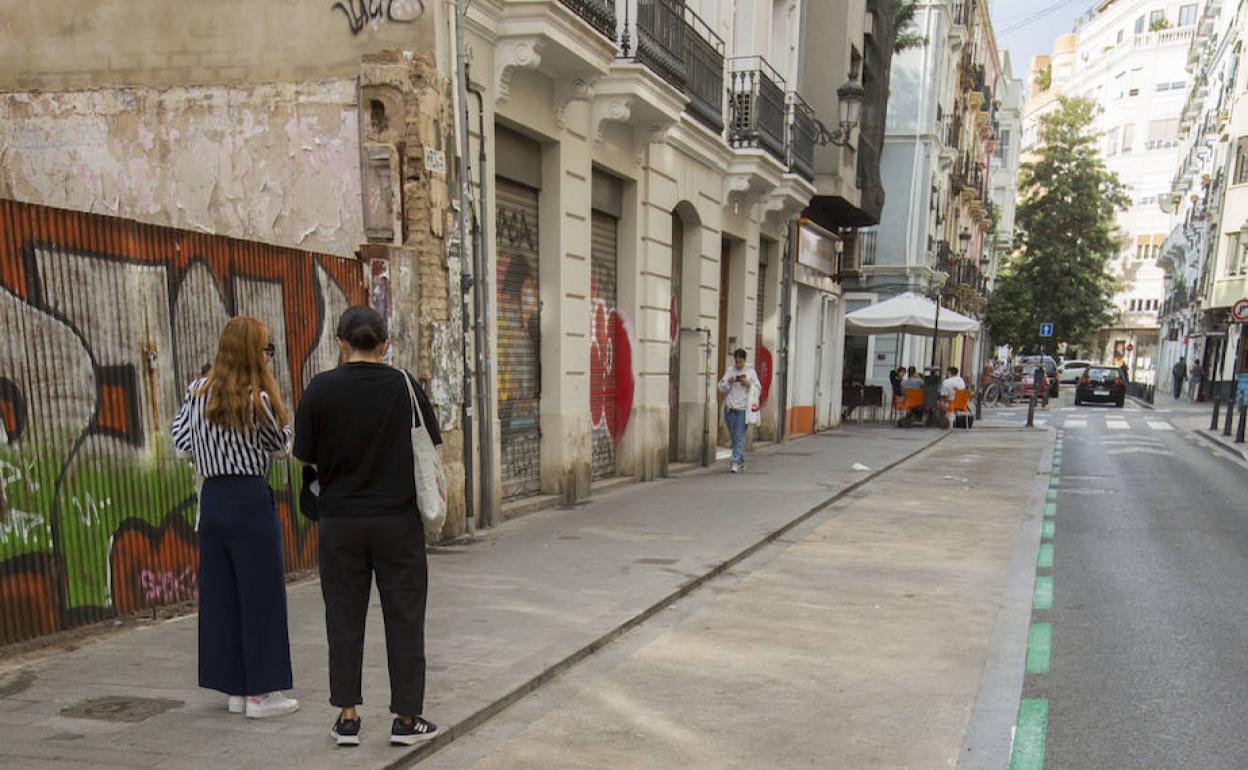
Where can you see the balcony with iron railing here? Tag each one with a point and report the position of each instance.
(671, 40)
(704, 79)
(803, 131)
(654, 34)
(599, 13)
(756, 106)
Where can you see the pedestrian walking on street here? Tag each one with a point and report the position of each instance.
(230, 424)
(354, 425)
(738, 386)
(1198, 374)
(1179, 373)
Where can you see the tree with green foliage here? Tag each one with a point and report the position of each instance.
(1044, 79)
(905, 38)
(1065, 238)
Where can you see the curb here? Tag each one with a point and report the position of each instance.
(1206, 435)
(484, 714)
(990, 726)
(1141, 403)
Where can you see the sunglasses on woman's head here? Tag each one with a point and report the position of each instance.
(270, 350)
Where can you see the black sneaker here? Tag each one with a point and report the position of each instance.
(346, 732)
(404, 733)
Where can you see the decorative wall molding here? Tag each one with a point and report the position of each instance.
(512, 54)
(610, 109)
(578, 90)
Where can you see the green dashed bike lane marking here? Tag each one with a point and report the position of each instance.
(1033, 725)
(1042, 599)
(1039, 648)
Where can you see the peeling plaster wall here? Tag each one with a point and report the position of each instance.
(274, 162)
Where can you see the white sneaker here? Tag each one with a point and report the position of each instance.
(274, 704)
(735, 469)
(236, 704)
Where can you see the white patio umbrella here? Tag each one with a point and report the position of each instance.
(908, 313)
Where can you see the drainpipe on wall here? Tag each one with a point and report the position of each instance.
(465, 269)
(786, 324)
(483, 293)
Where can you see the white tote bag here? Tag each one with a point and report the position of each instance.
(755, 415)
(430, 480)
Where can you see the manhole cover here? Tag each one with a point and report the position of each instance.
(118, 709)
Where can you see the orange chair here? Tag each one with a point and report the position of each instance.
(960, 404)
(911, 398)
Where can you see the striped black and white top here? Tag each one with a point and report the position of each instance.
(218, 451)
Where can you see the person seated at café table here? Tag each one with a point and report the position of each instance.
(913, 382)
(952, 384)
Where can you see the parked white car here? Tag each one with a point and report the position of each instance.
(1071, 371)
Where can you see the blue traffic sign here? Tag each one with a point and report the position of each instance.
(1046, 330)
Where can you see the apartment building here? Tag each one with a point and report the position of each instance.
(1128, 56)
(948, 179)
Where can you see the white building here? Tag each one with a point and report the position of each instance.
(647, 161)
(1129, 57)
(949, 162)
(1194, 324)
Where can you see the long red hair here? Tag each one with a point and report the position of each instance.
(239, 374)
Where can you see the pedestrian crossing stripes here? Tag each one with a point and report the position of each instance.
(1115, 422)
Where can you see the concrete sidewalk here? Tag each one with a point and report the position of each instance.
(507, 612)
(870, 637)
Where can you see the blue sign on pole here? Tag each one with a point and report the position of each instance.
(1241, 390)
(1046, 330)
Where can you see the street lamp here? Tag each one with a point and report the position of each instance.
(938, 285)
(851, 96)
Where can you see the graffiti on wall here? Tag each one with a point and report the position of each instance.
(764, 367)
(610, 379)
(361, 13)
(106, 320)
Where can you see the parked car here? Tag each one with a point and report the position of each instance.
(1101, 383)
(1070, 372)
(1026, 376)
(1050, 371)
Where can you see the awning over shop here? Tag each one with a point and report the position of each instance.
(908, 313)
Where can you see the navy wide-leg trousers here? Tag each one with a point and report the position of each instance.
(244, 641)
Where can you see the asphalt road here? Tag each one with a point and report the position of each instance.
(1150, 598)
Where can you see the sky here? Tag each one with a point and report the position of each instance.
(1028, 27)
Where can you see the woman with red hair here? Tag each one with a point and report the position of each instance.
(232, 422)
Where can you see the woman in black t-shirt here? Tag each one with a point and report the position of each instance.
(353, 425)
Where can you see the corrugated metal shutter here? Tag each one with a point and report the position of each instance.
(519, 339)
(673, 364)
(759, 295)
(604, 413)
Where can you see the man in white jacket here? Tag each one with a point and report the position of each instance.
(739, 385)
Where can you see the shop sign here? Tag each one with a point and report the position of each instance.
(817, 248)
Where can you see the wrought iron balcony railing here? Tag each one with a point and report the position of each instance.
(599, 13)
(803, 131)
(756, 99)
(704, 78)
(654, 34)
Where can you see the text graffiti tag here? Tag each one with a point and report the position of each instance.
(360, 13)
